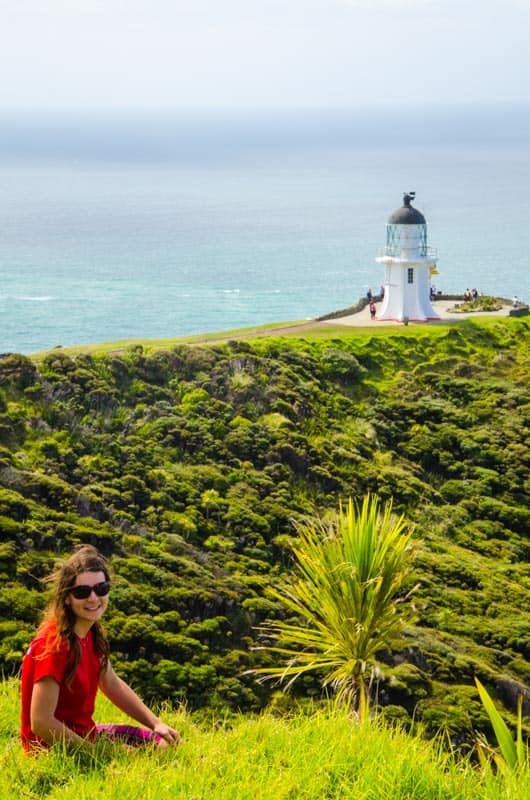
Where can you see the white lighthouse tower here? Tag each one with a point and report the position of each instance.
(409, 264)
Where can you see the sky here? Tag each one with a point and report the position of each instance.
(261, 54)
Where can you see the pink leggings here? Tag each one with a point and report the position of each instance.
(128, 734)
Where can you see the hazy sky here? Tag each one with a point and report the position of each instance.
(261, 53)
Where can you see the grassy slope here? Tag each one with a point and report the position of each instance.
(473, 606)
(322, 755)
(291, 329)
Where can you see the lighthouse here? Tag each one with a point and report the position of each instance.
(409, 264)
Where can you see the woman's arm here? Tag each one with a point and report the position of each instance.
(42, 714)
(124, 698)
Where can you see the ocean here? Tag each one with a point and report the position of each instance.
(116, 226)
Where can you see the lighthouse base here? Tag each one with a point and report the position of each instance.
(398, 308)
(406, 320)
(407, 290)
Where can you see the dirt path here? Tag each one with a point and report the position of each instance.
(361, 319)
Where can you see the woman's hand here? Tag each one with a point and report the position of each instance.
(126, 699)
(169, 736)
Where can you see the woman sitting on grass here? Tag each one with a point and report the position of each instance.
(69, 659)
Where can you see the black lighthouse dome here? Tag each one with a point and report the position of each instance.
(407, 215)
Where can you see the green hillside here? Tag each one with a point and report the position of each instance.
(188, 466)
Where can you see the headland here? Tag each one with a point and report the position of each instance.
(444, 308)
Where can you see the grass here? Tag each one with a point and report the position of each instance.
(321, 756)
(152, 345)
(307, 329)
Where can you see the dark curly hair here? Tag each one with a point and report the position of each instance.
(59, 619)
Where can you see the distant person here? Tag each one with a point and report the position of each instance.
(382, 292)
(369, 294)
(474, 294)
(68, 660)
(515, 302)
(372, 309)
(467, 295)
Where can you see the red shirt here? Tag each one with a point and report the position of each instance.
(75, 705)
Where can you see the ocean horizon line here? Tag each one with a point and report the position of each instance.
(177, 135)
(167, 221)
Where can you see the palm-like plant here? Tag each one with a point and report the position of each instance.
(513, 753)
(348, 596)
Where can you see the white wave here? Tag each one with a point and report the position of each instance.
(35, 298)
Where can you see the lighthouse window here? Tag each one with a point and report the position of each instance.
(423, 240)
(392, 239)
(410, 275)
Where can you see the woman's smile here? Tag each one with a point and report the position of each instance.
(88, 609)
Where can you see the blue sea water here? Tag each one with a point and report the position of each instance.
(163, 225)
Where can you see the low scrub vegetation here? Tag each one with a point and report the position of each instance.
(191, 469)
(482, 303)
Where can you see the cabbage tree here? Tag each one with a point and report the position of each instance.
(347, 600)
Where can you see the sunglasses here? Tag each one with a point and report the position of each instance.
(83, 592)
